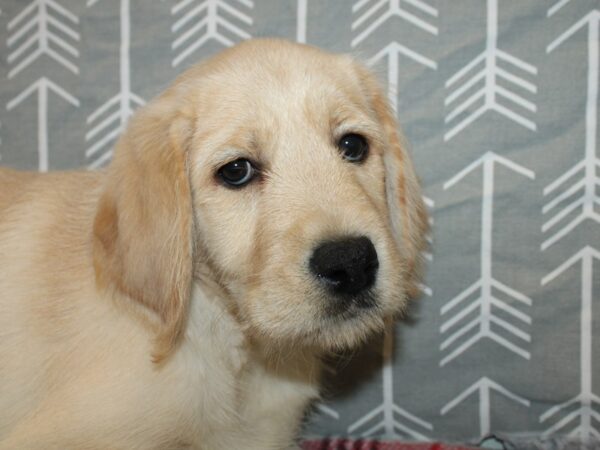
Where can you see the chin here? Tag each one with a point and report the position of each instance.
(330, 327)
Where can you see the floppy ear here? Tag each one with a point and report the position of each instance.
(407, 210)
(143, 225)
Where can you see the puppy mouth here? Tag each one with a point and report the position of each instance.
(323, 320)
(344, 326)
(349, 306)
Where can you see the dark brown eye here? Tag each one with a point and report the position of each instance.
(354, 147)
(237, 173)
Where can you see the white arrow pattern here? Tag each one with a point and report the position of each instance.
(484, 387)
(109, 120)
(389, 421)
(44, 27)
(374, 13)
(490, 70)
(484, 306)
(204, 20)
(42, 87)
(587, 404)
(302, 8)
(392, 52)
(586, 187)
(430, 204)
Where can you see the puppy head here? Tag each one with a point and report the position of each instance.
(278, 169)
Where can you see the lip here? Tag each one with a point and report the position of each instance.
(351, 306)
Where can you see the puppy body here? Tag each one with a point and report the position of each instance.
(75, 369)
(150, 306)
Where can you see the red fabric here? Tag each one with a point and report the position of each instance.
(346, 444)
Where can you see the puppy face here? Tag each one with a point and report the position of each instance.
(305, 205)
(290, 202)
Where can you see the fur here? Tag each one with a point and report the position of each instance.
(147, 306)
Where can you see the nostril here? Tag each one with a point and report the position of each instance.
(346, 266)
(333, 277)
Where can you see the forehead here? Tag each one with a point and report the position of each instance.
(272, 85)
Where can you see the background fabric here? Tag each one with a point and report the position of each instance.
(499, 100)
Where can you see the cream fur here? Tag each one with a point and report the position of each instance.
(147, 306)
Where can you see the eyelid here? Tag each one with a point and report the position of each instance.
(226, 157)
(232, 155)
(367, 131)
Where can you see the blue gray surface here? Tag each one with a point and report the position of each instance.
(499, 100)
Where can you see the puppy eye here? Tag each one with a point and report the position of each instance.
(237, 173)
(354, 147)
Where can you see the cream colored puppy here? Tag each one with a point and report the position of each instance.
(261, 212)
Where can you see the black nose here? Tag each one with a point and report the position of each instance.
(346, 266)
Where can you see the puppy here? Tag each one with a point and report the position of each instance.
(260, 213)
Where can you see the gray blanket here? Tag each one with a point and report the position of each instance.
(499, 100)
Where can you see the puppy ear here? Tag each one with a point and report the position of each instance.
(403, 191)
(143, 225)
